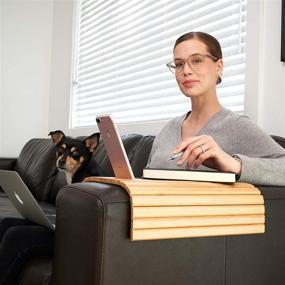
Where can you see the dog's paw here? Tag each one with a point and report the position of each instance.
(89, 179)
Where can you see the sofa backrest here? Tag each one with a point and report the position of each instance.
(140, 153)
(137, 148)
(279, 140)
(36, 165)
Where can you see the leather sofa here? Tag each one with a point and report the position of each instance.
(92, 245)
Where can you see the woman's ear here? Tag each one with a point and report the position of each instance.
(219, 70)
(220, 67)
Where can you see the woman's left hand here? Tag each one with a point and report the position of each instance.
(204, 150)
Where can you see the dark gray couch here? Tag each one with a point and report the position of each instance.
(92, 243)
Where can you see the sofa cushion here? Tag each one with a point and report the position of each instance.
(7, 208)
(58, 182)
(137, 148)
(37, 271)
(140, 154)
(37, 167)
(279, 140)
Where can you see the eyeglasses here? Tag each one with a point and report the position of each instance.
(194, 61)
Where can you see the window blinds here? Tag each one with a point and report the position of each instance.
(122, 47)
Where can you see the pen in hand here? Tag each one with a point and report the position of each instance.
(176, 155)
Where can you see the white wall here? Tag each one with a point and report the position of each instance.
(0, 77)
(25, 78)
(36, 70)
(61, 65)
(273, 112)
(265, 81)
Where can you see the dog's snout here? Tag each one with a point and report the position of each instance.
(61, 163)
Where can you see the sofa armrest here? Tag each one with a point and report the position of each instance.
(80, 224)
(7, 163)
(92, 245)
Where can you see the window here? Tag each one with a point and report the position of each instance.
(122, 47)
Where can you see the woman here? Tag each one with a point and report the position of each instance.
(210, 135)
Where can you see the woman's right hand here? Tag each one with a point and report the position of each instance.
(203, 150)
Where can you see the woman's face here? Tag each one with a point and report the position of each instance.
(197, 80)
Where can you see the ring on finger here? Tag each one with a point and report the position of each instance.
(201, 147)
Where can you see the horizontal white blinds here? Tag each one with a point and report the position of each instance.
(122, 48)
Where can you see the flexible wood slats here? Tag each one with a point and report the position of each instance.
(140, 212)
(163, 209)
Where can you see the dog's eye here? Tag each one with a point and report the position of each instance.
(59, 153)
(75, 154)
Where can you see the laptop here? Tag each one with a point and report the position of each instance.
(114, 147)
(23, 200)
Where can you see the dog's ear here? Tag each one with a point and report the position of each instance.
(92, 141)
(57, 136)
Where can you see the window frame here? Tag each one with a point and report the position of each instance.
(153, 128)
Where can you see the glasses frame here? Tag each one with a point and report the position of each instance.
(172, 68)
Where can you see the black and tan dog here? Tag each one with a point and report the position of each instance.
(74, 155)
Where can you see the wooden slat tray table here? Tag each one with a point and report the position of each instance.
(163, 209)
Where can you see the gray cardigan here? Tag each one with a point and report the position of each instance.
(263, 160)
